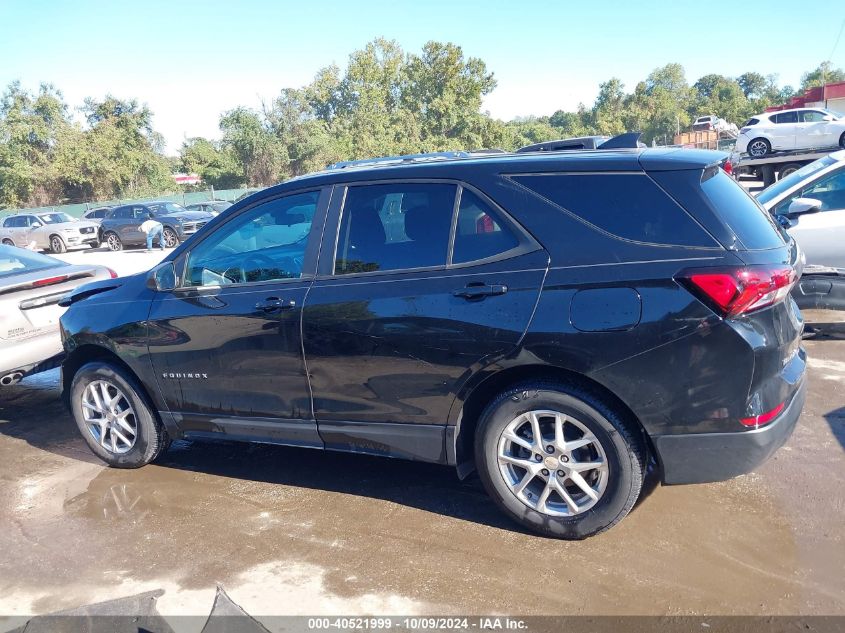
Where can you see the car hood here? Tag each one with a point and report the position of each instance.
(70, 225)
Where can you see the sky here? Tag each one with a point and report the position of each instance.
(189, 61)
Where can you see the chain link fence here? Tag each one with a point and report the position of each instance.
(185, 198)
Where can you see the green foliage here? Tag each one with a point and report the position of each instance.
(825, 73)
(383, 102)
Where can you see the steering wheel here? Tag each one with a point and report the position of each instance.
(255, 262)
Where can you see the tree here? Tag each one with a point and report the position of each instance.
(257, 150)
(608, 114)
(215, 165)
(825, 73)
(753, 85)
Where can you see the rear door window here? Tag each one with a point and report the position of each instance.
(786, 117)
(628, 206)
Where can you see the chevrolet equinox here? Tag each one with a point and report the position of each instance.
(559, 322)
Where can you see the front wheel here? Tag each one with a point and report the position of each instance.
(114, 418)
(57, 245)
(759, 147)
(8, 242)
(171, 240)
(842, 141)
(559, 460)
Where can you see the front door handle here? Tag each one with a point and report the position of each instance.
(479, 291)
(275, 304)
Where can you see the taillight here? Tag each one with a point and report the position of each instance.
(735, 291)
(49, 281)
(112, 273)
(744, 130)
(729, 169)
(755, 422)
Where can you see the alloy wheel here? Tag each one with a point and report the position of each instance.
(758, 148)
(109, 417)
(113, 242)
(552, 463)
(170, 239)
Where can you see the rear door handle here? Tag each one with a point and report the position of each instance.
(274, 304)
(479, 291)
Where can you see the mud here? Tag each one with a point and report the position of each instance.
(296, 531)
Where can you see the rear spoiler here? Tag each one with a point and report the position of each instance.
(629, 140)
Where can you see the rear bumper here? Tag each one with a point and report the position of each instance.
(820, 292)
(705, 457)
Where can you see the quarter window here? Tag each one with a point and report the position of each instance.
(266, 243)
(479, 233)
(628, 206)
(390, 227)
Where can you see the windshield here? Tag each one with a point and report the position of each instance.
(163, 208)
(55, 218)
(18, 260)
(785, 184)
(836, 114)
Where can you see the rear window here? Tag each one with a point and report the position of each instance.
(751, 122)
(628, 206)
(15, 261)
(754, 227)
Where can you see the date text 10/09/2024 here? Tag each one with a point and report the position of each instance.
(417, 623)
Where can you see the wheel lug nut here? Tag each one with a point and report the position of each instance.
(545, 472)
(560, 473)
(550, 449)
(538, 457)
(564, 458)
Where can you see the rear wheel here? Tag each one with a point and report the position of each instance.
(57, 244)
(559, 460)
(759, 147)
(8, 242)
(113, 241)
(171, 240)
(114, 418)
(788, 170)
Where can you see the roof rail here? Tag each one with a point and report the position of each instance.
(407, 158)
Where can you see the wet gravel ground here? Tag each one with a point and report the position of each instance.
(296, 531)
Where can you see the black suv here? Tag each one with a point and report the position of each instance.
(121, 227)
(557, 321)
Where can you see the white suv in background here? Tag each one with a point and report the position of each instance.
(799, 128)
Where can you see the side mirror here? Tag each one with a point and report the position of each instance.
(36, 225)
(828, 117)
(803, 206)
(162, 278)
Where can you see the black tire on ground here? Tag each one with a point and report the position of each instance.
(57, 244)
(171, 240)
(621, 441)
(113, 240)
(842, 141)
(788, 169)
(8, 242)
(758, 147)
(151, 438)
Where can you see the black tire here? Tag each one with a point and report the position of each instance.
(842, 141)
(8, 242)
(788, 170)
(151, 438)
(758, 147)
(57, 245)
(113, 240)
(171, 240)
(621, 442)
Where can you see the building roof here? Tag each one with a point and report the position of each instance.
(817, 94)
